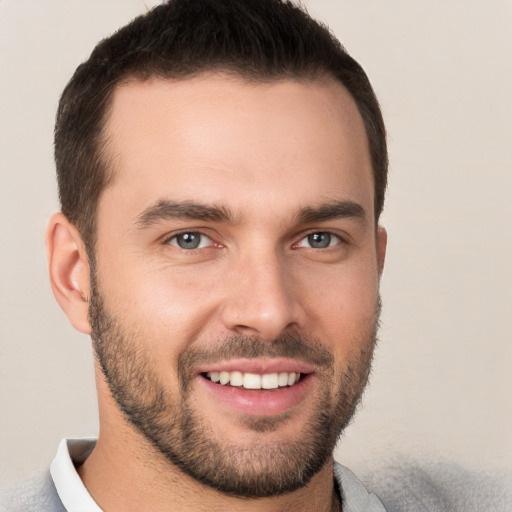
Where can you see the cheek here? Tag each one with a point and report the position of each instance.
(343, 315)
(344, 298)
(169, 305)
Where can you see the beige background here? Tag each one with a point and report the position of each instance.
(441, 388)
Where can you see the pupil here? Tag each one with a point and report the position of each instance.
(188, 240)
(319, 240)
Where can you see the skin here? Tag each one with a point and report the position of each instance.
(264, 152)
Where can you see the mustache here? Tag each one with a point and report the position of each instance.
(293, 346)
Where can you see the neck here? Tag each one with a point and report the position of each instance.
(129, 480)
(126, 473)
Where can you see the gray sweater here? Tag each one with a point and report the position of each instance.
(402, 487)
(39, 495)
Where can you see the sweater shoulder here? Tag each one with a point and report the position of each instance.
(35, 495)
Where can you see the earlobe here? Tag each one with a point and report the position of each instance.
(382, 242)
(69, 270)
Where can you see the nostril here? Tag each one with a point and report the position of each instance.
(264, 309)
(245, 330)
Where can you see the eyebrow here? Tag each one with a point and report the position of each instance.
(164, 210)
(332, 210)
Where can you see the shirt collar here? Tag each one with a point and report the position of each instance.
(70, 488)
(75, 497)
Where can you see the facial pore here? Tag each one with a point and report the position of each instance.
(169, 421)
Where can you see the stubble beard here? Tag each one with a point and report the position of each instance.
(177, 430)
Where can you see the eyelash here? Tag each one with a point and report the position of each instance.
(211, 242)
(330, 235)
(194, 233)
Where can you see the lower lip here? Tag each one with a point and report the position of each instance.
(259, 402)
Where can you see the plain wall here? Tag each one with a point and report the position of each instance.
(441, 385)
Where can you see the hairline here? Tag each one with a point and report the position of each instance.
(107, 159)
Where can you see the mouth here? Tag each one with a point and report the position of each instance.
(247, 380)
(257, 387)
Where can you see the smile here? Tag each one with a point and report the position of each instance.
(253, 380)
(256, 394)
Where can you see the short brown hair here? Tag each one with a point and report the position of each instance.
(258, 40)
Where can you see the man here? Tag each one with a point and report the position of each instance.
(221, 169)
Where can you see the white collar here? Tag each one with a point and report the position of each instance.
(75, 497)
(71, 490)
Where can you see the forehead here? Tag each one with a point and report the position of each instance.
(215, 138)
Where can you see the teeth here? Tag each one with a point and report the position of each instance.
(254, 380)
(270, 381)
(237, 379)
(282, 380)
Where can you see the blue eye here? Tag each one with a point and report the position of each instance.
(319, 240)
(190, 240)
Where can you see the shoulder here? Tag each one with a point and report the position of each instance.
(440, 486)
(355, 497)
(35, 495)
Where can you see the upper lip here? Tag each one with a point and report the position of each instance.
(259, 366)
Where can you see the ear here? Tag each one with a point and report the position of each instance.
(382, 242)
(68, 266)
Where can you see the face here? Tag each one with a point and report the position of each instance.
(235, 292)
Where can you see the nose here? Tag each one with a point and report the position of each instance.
(262, 298)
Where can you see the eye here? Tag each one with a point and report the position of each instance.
(320, 240)
(190, 240)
